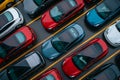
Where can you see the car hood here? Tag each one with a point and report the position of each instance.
(94, 19)
(69, 68)
(113, 34)
(49, 51)
(29, 6)
(47, 21)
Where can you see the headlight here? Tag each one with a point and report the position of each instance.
(72, 76)
(97, 25)
(87, 13)
(49, 28)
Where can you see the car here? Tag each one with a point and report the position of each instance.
(63, 41)
(84, 57)
(17, 41)
(102, 13)
(112, 34)
(52, 74)
(23, 67)
(106, 72)
(36, 7)
(5, 4)
(10, 20)
(60, 13)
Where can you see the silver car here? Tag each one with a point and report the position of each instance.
(10, 20)
(112, 34)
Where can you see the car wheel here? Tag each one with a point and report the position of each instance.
(9, 4)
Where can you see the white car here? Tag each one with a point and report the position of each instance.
(112, 34)
(10, 20)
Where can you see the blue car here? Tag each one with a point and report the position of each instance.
(102, 13)
(63, 41)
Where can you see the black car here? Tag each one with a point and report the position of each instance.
(36, 7)
(107, 72)
(23, 67)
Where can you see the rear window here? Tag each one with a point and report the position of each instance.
(20, 37)
(8, 15)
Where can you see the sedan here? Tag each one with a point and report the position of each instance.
(23, 67)
(63, 41)
(112, 34)
(35, 7)
(17, 41)
(85, 57)
(5, 4)
(60, 13)
(52, 74)
(106, 72)
(103, 13)
(10, 20)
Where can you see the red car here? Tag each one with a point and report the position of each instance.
(52, 74)
(85, 57)
(60, 13)
(17, 41)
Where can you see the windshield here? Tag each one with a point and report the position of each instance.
(38, 2)
(20, 37)
(58, 12)
(83, 58)
(118, 26)
(63, 40)
(103, 11)
(48, 77)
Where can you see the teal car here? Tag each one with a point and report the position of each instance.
(63, 41)
(102, 13)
